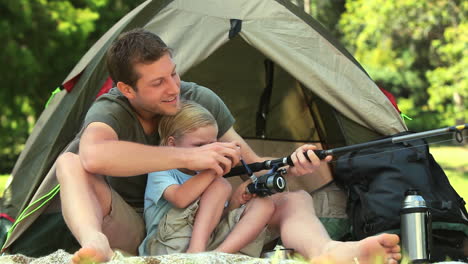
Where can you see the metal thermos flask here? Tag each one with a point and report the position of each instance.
(415, 227)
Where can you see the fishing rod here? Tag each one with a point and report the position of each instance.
(274, 182)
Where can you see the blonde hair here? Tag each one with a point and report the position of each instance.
(190, 117)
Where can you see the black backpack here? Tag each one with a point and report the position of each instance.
(376, 179)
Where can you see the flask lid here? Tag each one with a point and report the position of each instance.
(412, 192)
(413, 199)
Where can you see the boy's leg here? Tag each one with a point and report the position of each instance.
(209, 213)
(301, 230)
(253, 221)
(173, 233)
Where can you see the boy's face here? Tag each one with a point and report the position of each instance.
(199, 137)
(158, 88)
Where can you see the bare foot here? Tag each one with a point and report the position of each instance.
(88, 256)
(95, 249)
(382, 248)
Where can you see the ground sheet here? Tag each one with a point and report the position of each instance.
(61, 256)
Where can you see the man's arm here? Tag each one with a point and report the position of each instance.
(101, 152)
(301, 165)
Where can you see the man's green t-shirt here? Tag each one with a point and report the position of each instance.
(114, 110)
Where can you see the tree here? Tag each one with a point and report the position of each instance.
(41, 42)
(403, 44)
(328, 13)
(449, 81)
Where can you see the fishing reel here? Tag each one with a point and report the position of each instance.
(268, 184)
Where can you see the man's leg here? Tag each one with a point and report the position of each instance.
(301, 230)
(209, 213)
(299, 227)
(85, 200)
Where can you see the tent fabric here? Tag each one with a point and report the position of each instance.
(289, 42)
(319, 94)
(105, 87)
(45, 186)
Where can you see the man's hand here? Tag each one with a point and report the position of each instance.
(219, 157)
(302, 165)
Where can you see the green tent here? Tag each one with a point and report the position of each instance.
(285, 79)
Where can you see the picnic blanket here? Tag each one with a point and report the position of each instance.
(61, 256)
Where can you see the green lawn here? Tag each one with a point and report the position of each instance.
(454, 161)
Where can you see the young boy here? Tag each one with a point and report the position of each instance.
(183, 208)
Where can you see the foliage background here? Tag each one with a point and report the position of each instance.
(42, 40)
(416, 49)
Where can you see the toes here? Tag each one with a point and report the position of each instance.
(87, 256)
(396, 249)
(393, 258)
(389, 240)
(75, 259)
(396, 256)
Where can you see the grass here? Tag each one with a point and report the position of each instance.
(454, 161)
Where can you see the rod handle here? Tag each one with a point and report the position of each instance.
(321, 154)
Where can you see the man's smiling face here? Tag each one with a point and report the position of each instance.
(158, 88)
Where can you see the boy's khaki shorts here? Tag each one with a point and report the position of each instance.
(124, 227)
(175, 230)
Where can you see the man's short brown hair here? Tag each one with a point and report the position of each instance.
(130, 48)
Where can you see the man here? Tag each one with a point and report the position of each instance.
(119, 139)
